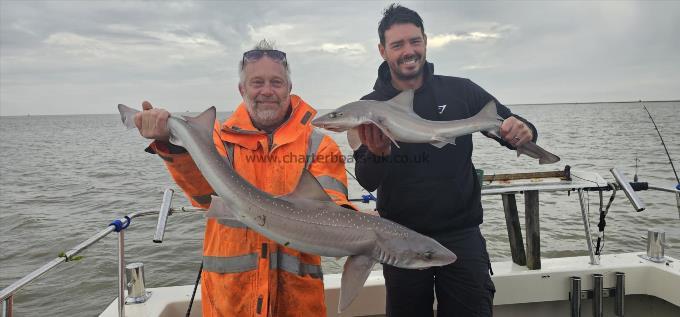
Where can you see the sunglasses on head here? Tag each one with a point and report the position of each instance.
(254, 55)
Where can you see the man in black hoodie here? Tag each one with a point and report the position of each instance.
(432, 191)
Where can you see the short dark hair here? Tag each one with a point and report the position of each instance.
(398, 14)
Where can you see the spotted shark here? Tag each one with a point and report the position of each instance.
(397, 120)
(306, 219)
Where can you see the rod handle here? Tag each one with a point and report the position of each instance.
(630, 193)
(163, 215)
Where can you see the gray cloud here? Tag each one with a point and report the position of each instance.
(62, 57)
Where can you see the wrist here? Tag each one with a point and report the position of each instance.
(381, 152)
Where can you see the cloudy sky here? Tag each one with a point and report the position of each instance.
(72, 57)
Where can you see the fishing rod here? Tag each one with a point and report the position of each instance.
(364, 198)
(664, 146)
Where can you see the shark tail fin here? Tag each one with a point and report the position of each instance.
(551, 158)
(533, 150)
(127, 115)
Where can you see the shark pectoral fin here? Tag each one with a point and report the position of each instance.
(386, 132)
(219, 209)
(353, 138)
(308, 188)
(403, 101)
(356, 271)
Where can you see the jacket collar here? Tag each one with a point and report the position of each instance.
(384, 86)
(239, 129)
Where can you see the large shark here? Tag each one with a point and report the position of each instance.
(306, 219)
(397, 120)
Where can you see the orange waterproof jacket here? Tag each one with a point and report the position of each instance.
(244, 273)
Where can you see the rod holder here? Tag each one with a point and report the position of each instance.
(7, 304)
(630, 193)
(597, 295)
(620, 293)
(575, 296)
(656, 243)
(163, 215)
(137, 293)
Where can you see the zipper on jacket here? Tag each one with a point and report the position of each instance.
(259, 304)
(270, 141)
(263, 255)
(270, 136)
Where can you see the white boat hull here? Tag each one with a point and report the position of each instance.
(652, 289)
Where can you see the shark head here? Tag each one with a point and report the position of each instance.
(427, 253)
(344, 118)
(414, 251)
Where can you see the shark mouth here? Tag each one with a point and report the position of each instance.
(333, 128)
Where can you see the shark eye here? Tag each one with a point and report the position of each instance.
(334, 115)
(428, 255)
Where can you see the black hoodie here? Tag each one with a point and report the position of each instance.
(432, 191)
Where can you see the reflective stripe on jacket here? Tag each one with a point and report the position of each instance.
(244, 273)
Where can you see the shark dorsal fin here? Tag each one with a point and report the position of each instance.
(308, 188)
(403, 101)
(204, 123)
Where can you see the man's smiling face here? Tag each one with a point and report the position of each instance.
(404, 50)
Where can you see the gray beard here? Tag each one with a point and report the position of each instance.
(266, 117)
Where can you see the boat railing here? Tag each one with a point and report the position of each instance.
(118, 226)
(530, 184)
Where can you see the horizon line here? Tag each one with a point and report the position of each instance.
(320, 109)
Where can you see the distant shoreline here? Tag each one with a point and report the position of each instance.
(590, 103)
(563, 103)
(329, 109)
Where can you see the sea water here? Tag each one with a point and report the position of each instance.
(64, 178)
